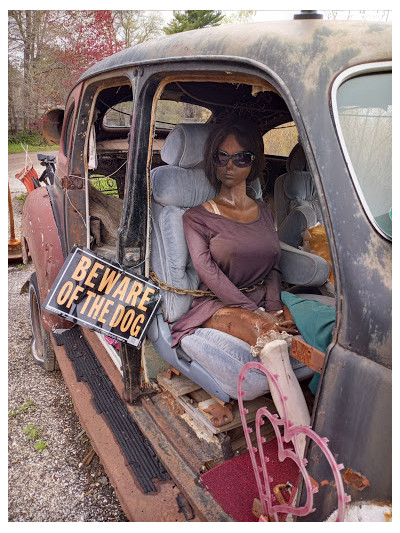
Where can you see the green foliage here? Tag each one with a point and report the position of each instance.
(16, 148)
(24, 408)
(28, 136)
(31, 432)
(104, 184)
(40, 445)
(193, 19)
(238, 17)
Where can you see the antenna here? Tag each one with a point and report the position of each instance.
(304, 14)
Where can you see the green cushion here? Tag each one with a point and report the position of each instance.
(314, 321)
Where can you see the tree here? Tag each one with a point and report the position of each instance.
(236, 17)
(49, 50)
(29, 33)
(135, 27)
(86, 37)
(378, 15)
(15, 97)
(192, 20)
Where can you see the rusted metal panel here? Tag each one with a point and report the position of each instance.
(353, 410)
(179, 452)
(357, 480)
(195, 451)
(160, 507)
(164, 506)
(307, 354)
(52, 125)
(200, 500)
(40, 232)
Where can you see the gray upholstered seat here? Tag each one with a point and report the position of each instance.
(208, 357)
(296, 209)
(296, 203)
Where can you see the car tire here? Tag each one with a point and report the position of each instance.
(41, 346)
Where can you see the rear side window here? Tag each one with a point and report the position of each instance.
(364, 110)
(119, 115)
(281, 140)
(170, 113)
(68, 130)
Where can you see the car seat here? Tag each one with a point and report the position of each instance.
(210, 358)
(296, 203)
(297, 209)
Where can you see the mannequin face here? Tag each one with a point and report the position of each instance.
(231, 175)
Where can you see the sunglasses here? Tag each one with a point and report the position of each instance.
(240, 159)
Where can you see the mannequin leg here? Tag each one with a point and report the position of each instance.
(240, 323)
(251, 328)
(275, 357)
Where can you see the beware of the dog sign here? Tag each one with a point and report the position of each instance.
(100, 295)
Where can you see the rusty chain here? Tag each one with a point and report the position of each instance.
(196, 293)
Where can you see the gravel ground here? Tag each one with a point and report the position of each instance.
(50, 485)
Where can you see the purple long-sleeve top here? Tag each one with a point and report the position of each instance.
(229, 255)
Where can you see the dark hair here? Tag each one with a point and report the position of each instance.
(247, 133)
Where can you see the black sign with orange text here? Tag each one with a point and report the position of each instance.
(100, 295)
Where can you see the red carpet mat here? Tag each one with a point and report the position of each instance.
(233, 483)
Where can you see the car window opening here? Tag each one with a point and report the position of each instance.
(178, 182)
(107, 153)
(202, 103)
(284, 156)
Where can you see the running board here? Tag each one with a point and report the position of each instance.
(138, 451)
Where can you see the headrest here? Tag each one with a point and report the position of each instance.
(297, 159)
(299, 186)
(180, 187)
(184, 146)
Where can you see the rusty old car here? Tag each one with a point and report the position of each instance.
(130, 163)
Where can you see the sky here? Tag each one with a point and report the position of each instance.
(341, 14)
(291, 7)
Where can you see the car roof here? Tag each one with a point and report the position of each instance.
(288, 48)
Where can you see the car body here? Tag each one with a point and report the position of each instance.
(303, 74)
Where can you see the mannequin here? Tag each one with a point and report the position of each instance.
(233, 244)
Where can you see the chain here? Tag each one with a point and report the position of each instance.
(196, 293)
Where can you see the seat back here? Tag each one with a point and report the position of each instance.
(296, 203)
(177, 186)
(296, 209)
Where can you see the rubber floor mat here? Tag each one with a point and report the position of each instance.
(138, 451)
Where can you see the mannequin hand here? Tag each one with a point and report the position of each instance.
(269, 317)
(289, 326)
(279, 321)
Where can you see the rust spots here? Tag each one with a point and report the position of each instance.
(307, 354)
(357, 480)
(388, 516)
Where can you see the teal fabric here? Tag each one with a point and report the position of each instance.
(314, 321)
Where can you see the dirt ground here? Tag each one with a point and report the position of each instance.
(52, 485)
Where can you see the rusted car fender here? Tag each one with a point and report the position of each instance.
(41, 241)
